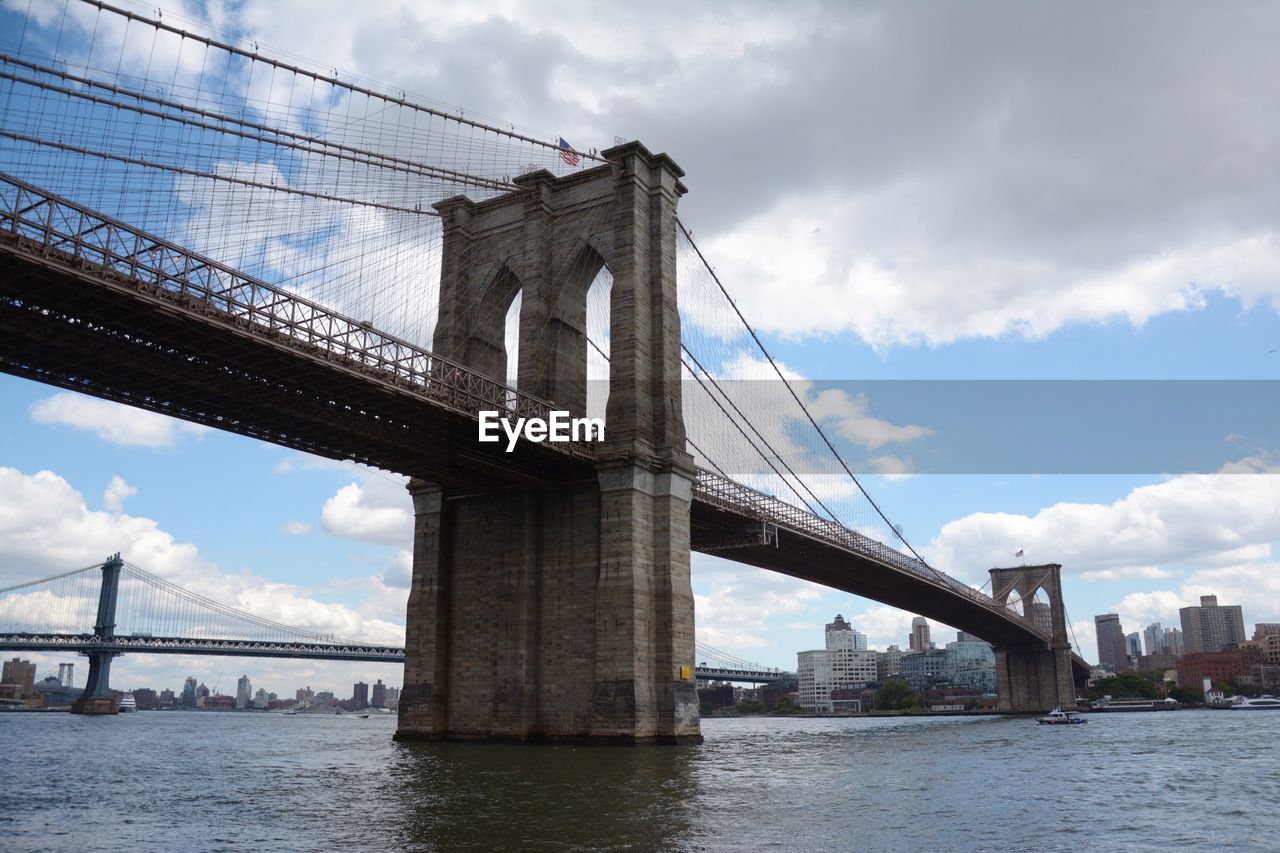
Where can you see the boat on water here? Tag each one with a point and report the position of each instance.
(1059, 717)
(290, 712)
(1260, 703)
(128, 704)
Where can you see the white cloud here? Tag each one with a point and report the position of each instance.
(1139, 609)
(852, 420)
(734, 615)
(369, 512)
(1127, 572)
(1202, 519)
(113, 422)
(296, 528)
(116, 492)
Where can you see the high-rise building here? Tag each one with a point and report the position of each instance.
(260, 699)
(1211, 627)
(919, 639)
(189, 692)
(379, 697)
(393, 697)
(1173, 641)
(360, 695)
(244, 693)
(1133, 645)
(1112, 653)
(1153, 637)
(845, 663)
(21, 673)
(839, 634)
(305, 694)
(1262, 630)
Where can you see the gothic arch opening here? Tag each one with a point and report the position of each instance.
(511, 338)
(599, 313)
(1040, 612)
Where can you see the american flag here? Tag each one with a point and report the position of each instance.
(567, 153)
(1017, 553)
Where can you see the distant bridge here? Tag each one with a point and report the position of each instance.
(29, 610)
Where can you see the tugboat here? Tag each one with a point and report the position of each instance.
(1059, 717)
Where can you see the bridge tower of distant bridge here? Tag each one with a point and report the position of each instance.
(563, 611)
(97, 697)
(1033, 677)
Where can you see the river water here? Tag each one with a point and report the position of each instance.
(211, 781)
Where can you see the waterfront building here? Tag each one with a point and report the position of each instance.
(927, 669)
(888, 663)
(360, 695)
(1211, 627)
(1173, 641)
(1158, 662)
(919, 640)
(1262, 630)
(393, 698)
(1270, 646)
(261, 699)
(1112, 653)
(189, 692)
(842, 664)
(971, 663)
(22, 673)
(378, 699)
(244, 693)
(813, 670)
(304, 694)
(1219, 667)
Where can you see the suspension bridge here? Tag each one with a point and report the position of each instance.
(190, 226)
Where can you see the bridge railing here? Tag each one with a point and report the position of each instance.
(53, 227)
(731, 495)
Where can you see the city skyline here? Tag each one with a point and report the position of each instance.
(324, 545)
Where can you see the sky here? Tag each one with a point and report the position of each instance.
(890, 192)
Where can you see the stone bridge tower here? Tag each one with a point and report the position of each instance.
(563, 612)
(1039, 677)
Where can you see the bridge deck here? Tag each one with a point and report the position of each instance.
(85, 643)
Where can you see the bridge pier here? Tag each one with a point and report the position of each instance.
(97, 698)
(563, 612)
(1034, 679)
